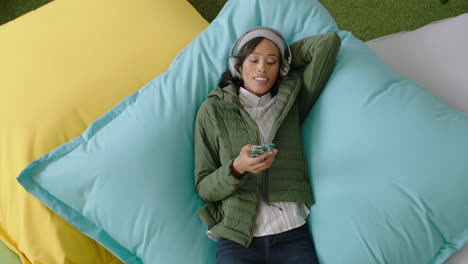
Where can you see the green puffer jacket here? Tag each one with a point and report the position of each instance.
(223, 127)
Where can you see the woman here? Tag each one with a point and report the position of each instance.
(256, 207)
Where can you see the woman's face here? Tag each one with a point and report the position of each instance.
(260, 69)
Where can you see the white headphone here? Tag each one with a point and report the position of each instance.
(264, 32)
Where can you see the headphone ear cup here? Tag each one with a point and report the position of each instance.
(232, 67)
(284, 69)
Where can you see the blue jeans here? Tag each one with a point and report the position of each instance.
(290, 247)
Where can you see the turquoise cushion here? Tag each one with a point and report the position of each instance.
(387, 159)
(389, 165)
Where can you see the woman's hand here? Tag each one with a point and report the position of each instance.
(245, 163)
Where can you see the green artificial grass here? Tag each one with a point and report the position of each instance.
(366, 19)
(369, 19)
(7, 256)
(11, 9)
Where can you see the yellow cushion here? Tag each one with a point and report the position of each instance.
(61, 67)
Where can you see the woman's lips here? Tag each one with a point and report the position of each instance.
(261, 80)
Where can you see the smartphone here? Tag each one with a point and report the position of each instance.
(259, 150)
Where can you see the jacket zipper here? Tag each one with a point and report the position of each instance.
(265, 185)
(263, 195)
(260, 195)
(262, 187)
(254, 223)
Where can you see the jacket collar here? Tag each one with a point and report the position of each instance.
(287, 92)
(228, 94)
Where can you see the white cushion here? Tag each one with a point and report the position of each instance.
(435, 55)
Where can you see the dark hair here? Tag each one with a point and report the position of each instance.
(227, 78)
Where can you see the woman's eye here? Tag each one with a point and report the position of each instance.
(271, 62)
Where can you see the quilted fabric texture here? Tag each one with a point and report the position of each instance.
(61, 67)
(387, 158)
